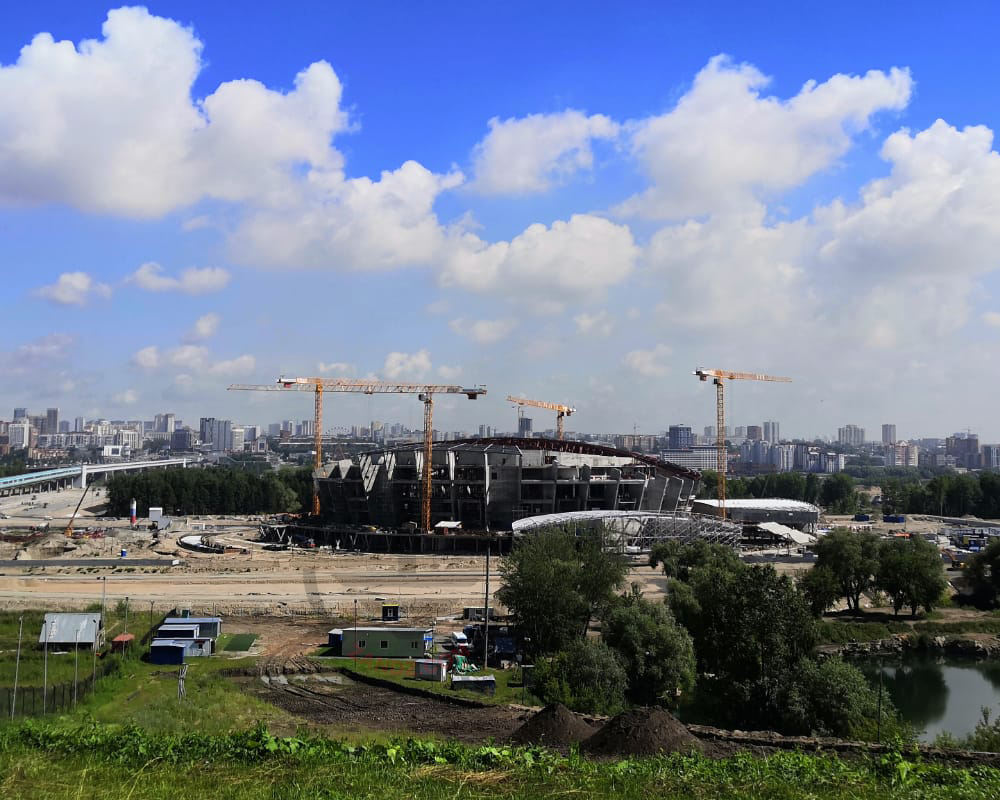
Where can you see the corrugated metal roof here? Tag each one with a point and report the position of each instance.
(190, 620)
(183, 643)
(766, 504)
(387, 629)
(786, 533)
(62, 628)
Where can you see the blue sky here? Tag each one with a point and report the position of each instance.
(580, 204)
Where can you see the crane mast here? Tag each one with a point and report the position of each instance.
(562, 411)
(424, 391)
(719, 377)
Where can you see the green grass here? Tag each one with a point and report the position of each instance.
(400, 671)
(239, 642)
(61, 663)
(112, 763)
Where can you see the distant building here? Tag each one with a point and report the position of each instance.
(679, 437)
(888, 434)
(755, 433)
(771, 432)
(851, 435)
(20, 413)
(524, 427)
(51, 421)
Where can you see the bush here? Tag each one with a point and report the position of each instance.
(586, 676)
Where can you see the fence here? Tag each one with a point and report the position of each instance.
(31, 700)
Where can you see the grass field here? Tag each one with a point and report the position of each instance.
(60, 664)
(400, 671)
(240, 642)
(113, 763)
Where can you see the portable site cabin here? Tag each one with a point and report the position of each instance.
(68, 630)
(210, 627)
(122, 643)
(380, 642)
(176, 651)
(177, 632)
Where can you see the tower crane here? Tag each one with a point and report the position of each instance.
(425, 393)
(719, 376)
(561, 411)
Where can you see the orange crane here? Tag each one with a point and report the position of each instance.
(719, 376)
(561, 411)
(425, 393)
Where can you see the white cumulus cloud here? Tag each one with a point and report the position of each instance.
(483, 331)
(147, 357)
(407, 365)
(74, 288)
(449, 373)
(598, 324)
(128, 397)
(580, 256)
(204, 327)
(725, 144)
(335, 366)
(649, 363)
(193, 280)
(241, 365)
(530, 154)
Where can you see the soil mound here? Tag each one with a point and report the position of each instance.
(642, 732)
(554, 725)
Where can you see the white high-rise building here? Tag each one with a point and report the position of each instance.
(19, 434)
(888, 434)
(771, 432)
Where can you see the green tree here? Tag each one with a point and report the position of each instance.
(833, 698)
(679, 559)
(587, 676)
(657, 653)
(821, 589)
(911, 573)
(837, 494)
(750, 628)
(983, 574)
(551, 583)
(853, 558)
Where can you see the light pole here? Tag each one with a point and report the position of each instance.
(17, 664)
(46, 627)
(76, 665)
(355, 634)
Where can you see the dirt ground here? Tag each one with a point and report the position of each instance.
(341, 705)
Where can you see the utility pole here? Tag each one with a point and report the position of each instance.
(486, 609)
(17, 664)
(76, 664)
(126, 616)
(45, 667)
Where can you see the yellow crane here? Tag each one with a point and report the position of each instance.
(561, 410)
(719, 376)
(424, 391)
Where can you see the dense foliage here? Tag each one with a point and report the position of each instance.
(984, 576)
(850, 563)
(554, 582)
(658, 653)
(210, 491)
(587, 676)
(947, 494)
(40, 760)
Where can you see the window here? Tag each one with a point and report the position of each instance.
(413, 645)
(384, 644)
(361, 644)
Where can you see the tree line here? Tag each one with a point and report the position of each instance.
(948, 494)
(834, 492)
(210, 491)
(741, 635)
(849, 564)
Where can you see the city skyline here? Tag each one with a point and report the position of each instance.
(583, 209)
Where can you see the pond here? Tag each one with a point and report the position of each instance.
(938, 694)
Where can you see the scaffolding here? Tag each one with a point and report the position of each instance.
(636, 531)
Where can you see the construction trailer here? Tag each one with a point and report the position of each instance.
(177, 651)
(380, 642)
(210, 627)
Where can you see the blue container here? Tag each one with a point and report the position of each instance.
(124, 553)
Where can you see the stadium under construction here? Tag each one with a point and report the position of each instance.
(496, 489)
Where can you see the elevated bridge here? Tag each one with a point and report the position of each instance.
(79, 476)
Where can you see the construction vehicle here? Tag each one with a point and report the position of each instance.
(562, 411)
(69, 528)
(425, 393)
(719, 376)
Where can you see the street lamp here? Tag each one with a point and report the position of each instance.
(355, 634)
(46, 629)
(76, 665)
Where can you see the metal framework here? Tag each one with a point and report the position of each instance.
(562, 411)
(318, 386)
(636, 531)
(719, 376)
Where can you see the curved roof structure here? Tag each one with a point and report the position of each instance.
(637, 531)
(579, 448)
